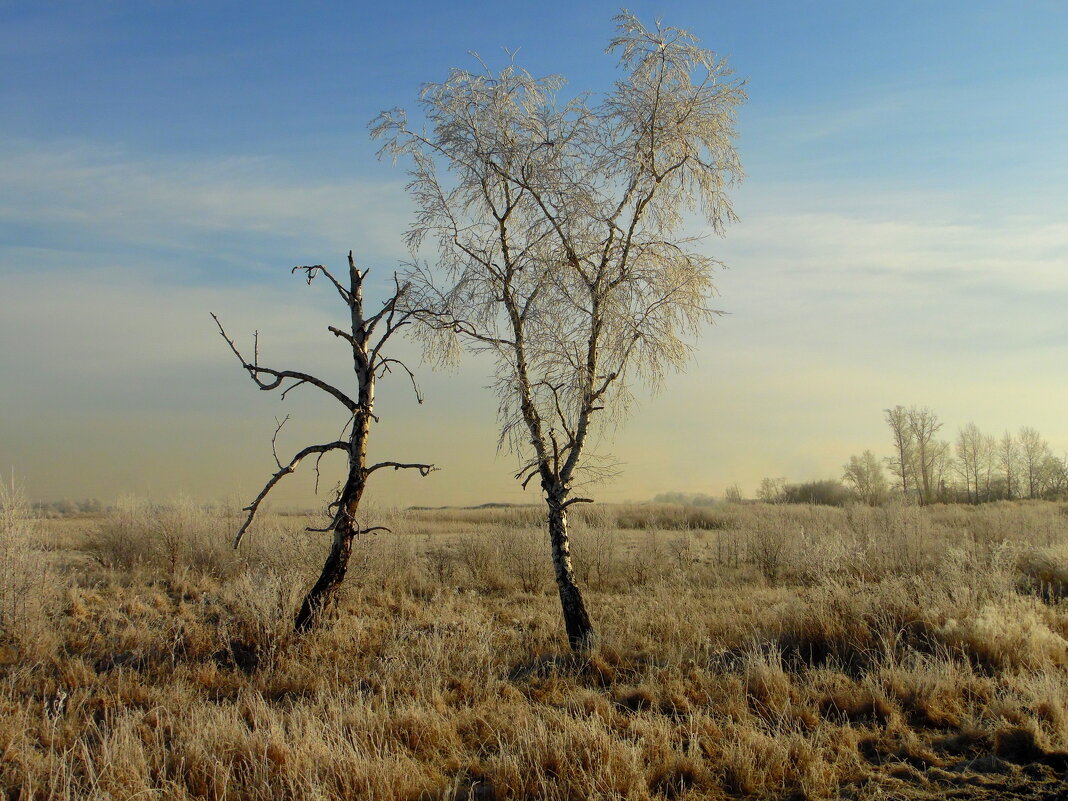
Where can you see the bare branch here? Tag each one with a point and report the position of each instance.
(274, 439)
(383, 365)
(529, 471)
(424, 469)
(373, 529)
(388, 311)
(290, 388)
(254, 371)
(345, 335)
(282, 473)
(313, 269)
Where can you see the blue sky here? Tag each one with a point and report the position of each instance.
(903, 235)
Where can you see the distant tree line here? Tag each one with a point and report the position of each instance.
(972, 468)
(686, 499)
(67, 508)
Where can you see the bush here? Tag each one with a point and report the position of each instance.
(182, 535)
(821, 493)
(168, 536)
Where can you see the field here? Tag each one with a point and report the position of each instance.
(744, 651)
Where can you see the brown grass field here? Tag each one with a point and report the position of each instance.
(744, 651)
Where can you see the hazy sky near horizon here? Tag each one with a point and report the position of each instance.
(903, 236)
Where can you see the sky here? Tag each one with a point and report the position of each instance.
(903, 237)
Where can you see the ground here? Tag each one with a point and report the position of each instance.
(744, 651)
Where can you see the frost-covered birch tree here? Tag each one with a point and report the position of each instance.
(559, 246)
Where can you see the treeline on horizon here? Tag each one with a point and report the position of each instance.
(64, 507)
(973, 467)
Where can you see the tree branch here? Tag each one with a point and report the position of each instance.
(373, 529)
(253, 507)
(254, 371)
(386, 362)
(311, 270)
(529, 471)
(345, 335)
(274, 439)
(424, 469)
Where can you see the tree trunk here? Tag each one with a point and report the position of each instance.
(580, 634)
(337, 562)
(329, 580)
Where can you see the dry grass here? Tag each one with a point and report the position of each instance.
(763, 651)
(27, 590)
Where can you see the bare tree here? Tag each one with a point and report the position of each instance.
(558, 234)
(865, 474)
(924, 424)
(772, 490)
(942, 466)
(1008, 459)
(904, 444)
(970, 447)
(367, 337)
(1053, 476)
(1033, 452)
(987, 463)
(733, 494)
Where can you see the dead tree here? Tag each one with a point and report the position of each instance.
(367, 336)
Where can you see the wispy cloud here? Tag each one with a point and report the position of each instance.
(1011, 254)
(113, 200)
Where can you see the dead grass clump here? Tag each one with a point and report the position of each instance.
(523, 557)
(752, 762)
(637, 699)
(1003, 636)
(940, 692)
(969, 742)
(1029, 745)
(841, 627)
(771, 542)
(1044, 572)
(596, 555)
(676, 776)
(667, 517)
(566, 758)
(770, 691)
(181, 537)
(852, 702)
(164, 537)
